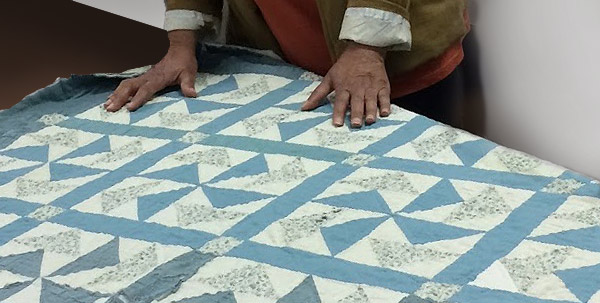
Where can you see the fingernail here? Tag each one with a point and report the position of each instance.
(370, 119)
(337, 122)
(356, 122)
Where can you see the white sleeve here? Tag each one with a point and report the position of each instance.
(193, 20)
(375, 27)
(185, 19)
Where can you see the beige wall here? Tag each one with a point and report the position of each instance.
(540, 64)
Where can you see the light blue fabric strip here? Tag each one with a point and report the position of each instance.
(406, 133)
(257, 106)
(288, 202)
(501, 240)
(121, 227)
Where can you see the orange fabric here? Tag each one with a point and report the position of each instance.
(297, 27)
(429, 73)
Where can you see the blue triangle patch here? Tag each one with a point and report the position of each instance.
(103, 256)
(220, 297)
(10, 175)
(31, 153)
(151, 204)
(183, 174)
(442, 193)
(148, 110)
(9, 290)
(421, 232)
(289, 130)
(225, 86)
(253, 166)
(584, 238)
(52, 292)
(341, 236)
(27, 264)
(200, 106)
(221, 197)
(305, 292)
(60, 171)
(368, 200)
(99, 146)
(470, 152)
(584, 282)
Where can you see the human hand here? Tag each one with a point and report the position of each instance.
(178, 67)
(360, 81)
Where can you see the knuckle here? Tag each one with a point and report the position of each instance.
(128, 83)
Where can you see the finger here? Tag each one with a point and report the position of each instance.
(384, 102)
(357, 108)
(340, 107)
(143, 94)
(318, 94)
(371, 107)
(122, 94)
(187, 81)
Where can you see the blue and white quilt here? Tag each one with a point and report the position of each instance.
(237, 196)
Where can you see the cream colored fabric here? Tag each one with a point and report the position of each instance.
(377, 28)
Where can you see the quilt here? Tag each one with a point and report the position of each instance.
(237, 196)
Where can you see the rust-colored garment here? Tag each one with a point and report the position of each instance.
(296, 25)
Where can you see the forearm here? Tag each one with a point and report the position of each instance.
(183, 41)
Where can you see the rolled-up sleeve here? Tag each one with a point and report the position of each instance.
(376, 27)
(200, 15)
(186, 19)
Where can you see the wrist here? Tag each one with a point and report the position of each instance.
(183, 40)
(380, 52)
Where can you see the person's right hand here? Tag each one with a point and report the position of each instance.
(178, 67)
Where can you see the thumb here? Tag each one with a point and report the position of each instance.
(187, 81)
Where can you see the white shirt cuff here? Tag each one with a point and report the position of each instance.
(187, 19)
(375, 27)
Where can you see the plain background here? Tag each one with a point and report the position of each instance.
(539, 65)
(540, 68)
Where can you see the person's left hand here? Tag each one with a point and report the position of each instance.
(360, 81)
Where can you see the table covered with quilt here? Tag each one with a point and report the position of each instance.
(237, 196)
